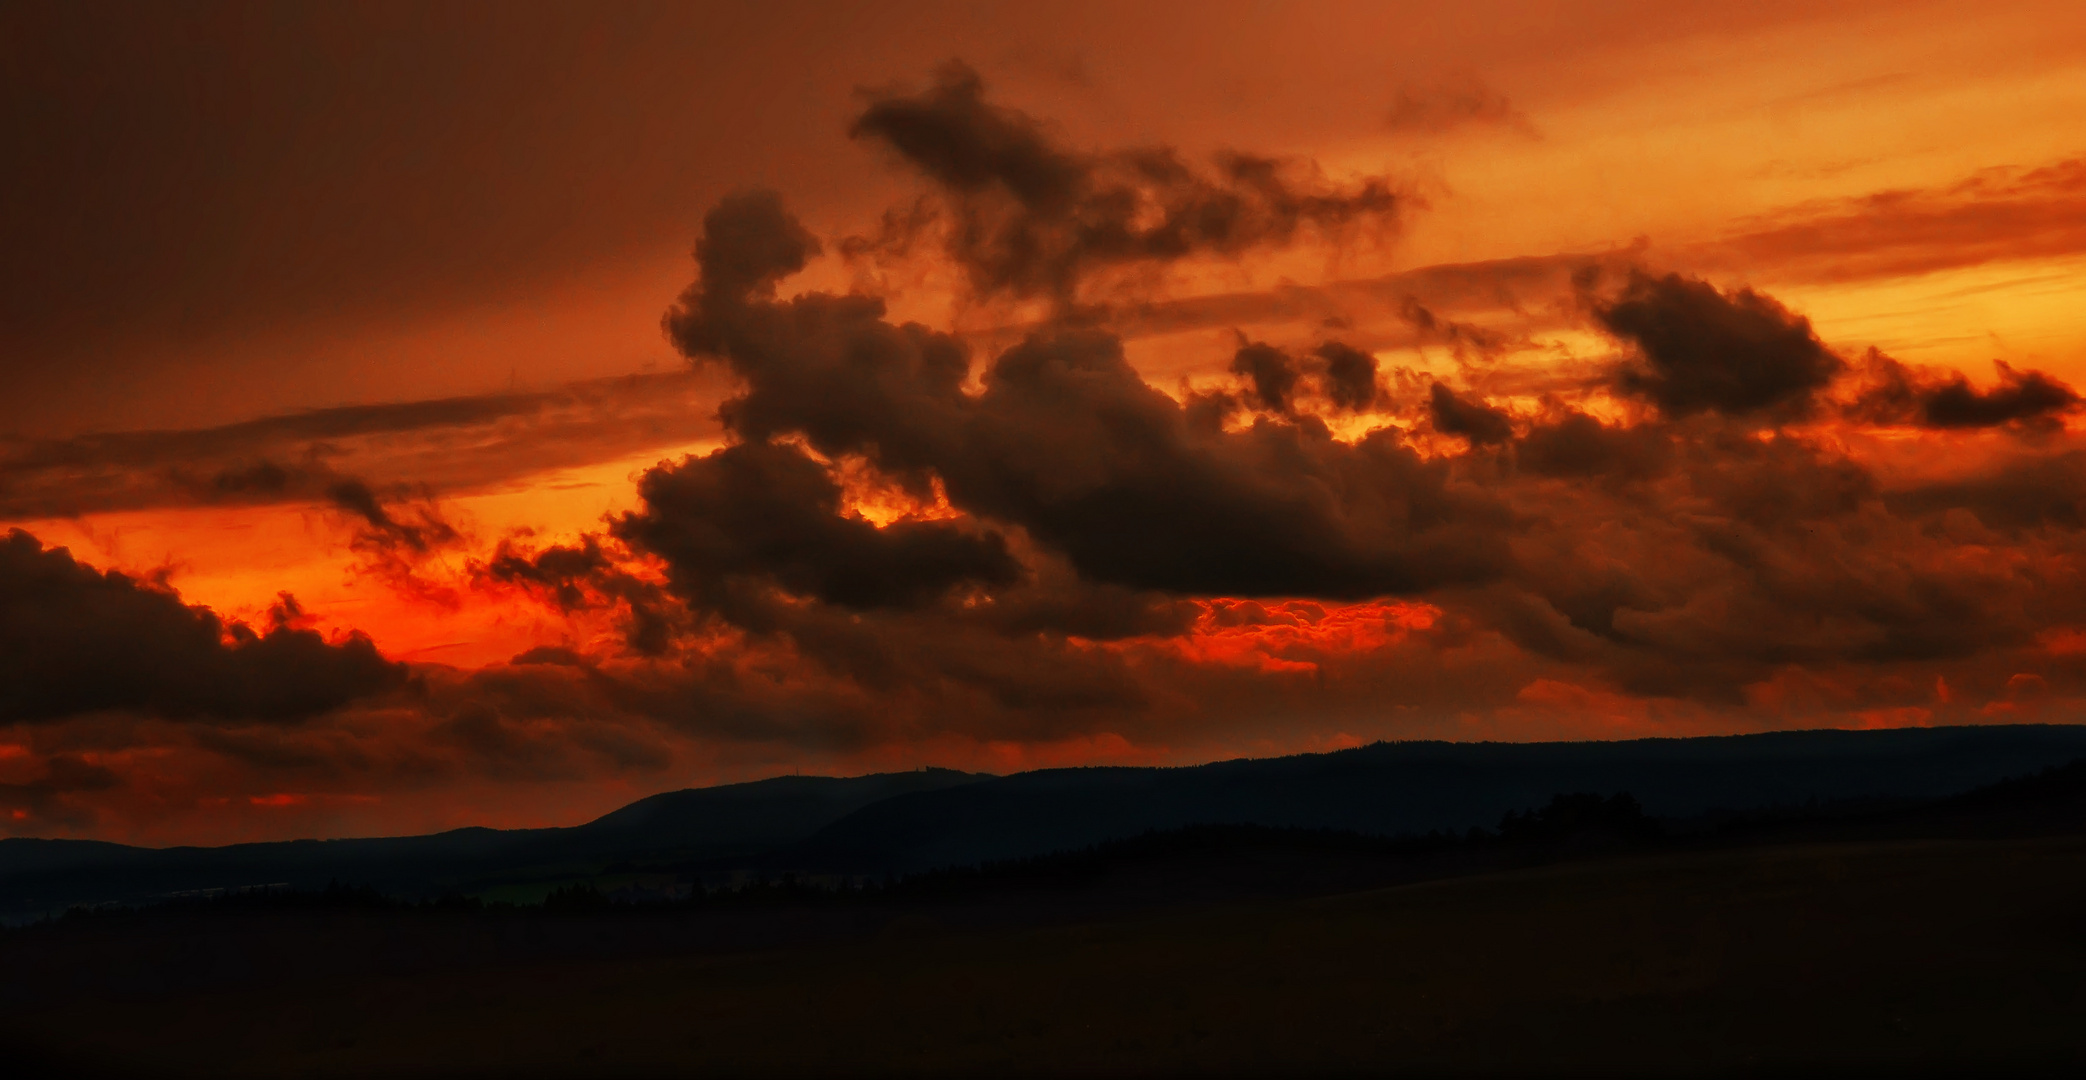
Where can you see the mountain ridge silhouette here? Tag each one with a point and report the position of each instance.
(898, 823)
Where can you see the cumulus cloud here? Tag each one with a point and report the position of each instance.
(1271, 377)
(1350, 376)
(1576, 445)
(1703, 350)
(1656, 552)
(1748, 561)
(1031, 217)
(768, 512)
(1900, 394)
(75, 640)
(1066, 441)
(1476, 421)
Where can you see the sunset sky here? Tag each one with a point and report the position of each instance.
(431, 415)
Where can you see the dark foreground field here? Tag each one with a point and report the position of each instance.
(1869, 956)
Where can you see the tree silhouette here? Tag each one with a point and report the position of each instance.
(1578, 816)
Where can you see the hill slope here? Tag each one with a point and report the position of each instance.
(897, 823)
(1418, 787)
(40, 876)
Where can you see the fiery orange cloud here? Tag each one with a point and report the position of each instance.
(1290, 636)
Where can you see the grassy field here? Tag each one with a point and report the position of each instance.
(1882, 957)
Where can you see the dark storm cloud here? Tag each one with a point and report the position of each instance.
(1684, 556)
(2020, 395)
(1057, 601)
(1895, 393)
(1482, 424)
(1576, 445)
(830, 366)
(1737, 353)
(1349, 376)
(74, 639)
(1744, 558)
(750, 242)
(1068, 442)
(886, 675)
(1747, 558)
(767, 511)
(939, 660)
(1270, 375)
(1034, 218)
(833, 676)
(2032, 493)
(1779, 482)
(753, 532)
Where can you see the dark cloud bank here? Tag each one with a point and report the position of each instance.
(1709, 546)
(74, 639)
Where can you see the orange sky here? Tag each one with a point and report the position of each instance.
(427, 250)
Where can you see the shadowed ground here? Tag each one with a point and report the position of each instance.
(1882, 956)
